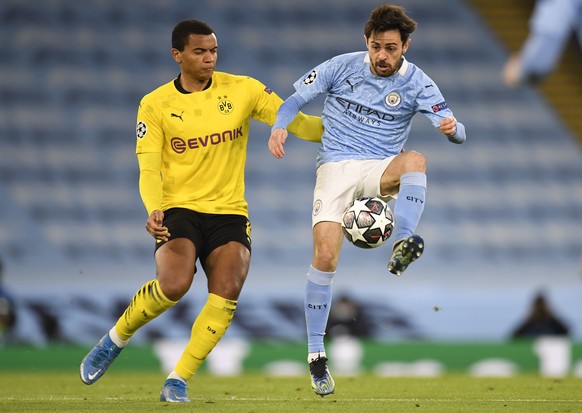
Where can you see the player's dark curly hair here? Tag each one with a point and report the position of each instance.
(390, 17)
(185, 28)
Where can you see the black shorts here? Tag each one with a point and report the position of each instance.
(206, 231)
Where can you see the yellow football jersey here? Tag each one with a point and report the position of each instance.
(202, 138)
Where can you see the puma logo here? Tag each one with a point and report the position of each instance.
(173, 115)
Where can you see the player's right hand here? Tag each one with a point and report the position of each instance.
(276, 142)
(155, 226)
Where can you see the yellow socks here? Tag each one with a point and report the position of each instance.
(148, 303)
(208, 329)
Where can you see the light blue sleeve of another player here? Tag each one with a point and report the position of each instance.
(551, 25)
(288, 110)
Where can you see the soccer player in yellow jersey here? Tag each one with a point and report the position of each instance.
(191, 147)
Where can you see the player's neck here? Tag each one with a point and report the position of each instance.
(190, 85)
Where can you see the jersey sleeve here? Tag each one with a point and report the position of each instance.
(149, 133)
(150, 181)
(546, 40)
(317, 81)
(149, 145)
(431, 103)
(304, 126)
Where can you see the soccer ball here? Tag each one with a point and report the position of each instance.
(367, 222)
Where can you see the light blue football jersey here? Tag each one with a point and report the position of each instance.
(367, 116)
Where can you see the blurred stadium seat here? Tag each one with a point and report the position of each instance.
(73, 74)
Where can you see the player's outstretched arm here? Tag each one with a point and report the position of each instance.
(289, 116)
(276, 142)
(306, 127)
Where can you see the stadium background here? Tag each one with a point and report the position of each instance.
(502, 220)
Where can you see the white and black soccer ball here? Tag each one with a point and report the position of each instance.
(367, 222)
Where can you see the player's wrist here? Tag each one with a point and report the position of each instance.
(459, 135)
(276, 127)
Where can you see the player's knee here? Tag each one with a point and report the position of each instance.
(174, 288)
(228, 288)
(325, 260)
(414, 162)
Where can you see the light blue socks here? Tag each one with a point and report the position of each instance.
(317, 306)
(409, 204)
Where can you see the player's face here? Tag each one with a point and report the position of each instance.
(198, 59)
(385, 50)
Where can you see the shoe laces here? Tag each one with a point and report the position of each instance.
(178, 386)
(318, 367)
(104, 354)
(397, 248)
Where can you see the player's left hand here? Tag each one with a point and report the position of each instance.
(155, 226)
(276, 142)
(448, 126)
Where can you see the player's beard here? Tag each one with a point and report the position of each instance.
(388, 71)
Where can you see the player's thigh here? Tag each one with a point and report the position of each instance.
(374, 182)
(410, 161)
(336, 185)
(226, 268)
(226, 253)
(175, 267)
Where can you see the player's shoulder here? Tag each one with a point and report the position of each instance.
(343, 65)
(413, 73)
(160, 92)
(409, 69)
(245, 86)
(223, 78)
(348, 59)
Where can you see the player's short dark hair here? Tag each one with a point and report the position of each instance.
(389, 17)
(185, 28)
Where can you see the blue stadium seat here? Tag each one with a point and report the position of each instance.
(73, 74)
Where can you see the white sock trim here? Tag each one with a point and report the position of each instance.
(315, 356)
(118, 341)
(413, 178)
(176, 376)
(320, 277)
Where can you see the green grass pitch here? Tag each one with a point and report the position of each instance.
(255, 393)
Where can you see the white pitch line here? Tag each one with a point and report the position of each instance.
(264, 399)
(267, 399)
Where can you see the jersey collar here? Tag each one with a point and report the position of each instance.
(403, 67)
(180, 89)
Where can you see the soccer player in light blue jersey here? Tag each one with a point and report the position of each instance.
(371, 98)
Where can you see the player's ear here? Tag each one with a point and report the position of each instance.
(176, 55)
(405, 45)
